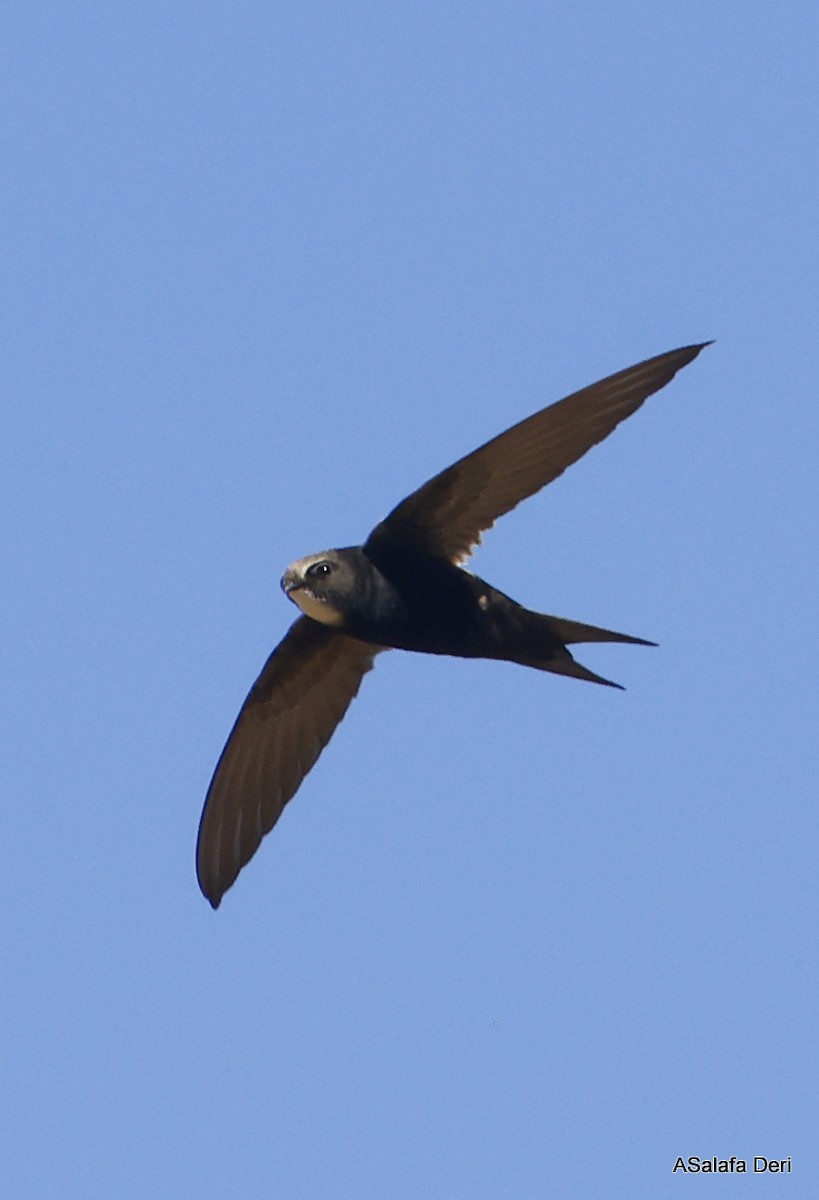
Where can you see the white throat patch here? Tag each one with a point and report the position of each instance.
(319, 610)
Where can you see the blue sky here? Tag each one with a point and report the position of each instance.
(266, 268)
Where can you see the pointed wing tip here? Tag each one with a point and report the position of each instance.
(212, 891)
(683, 355)
(696, 347)
(679, 358)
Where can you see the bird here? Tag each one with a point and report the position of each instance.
(406, 588)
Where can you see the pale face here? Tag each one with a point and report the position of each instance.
(312, 583)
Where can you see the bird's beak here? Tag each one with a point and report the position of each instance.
(291, 581)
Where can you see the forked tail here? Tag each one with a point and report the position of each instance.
(548, 637)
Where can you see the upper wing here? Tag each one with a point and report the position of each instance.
(303, 692)
(446, 516)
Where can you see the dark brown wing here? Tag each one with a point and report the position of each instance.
(288, 718)
(447, 515)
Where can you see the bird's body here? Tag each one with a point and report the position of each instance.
(405, 589)
(431, 606)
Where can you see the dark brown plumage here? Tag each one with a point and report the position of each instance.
(404, 589)
(304, 690)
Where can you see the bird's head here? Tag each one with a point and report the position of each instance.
(322, 585)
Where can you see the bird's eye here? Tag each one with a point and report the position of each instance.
(320, 570)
